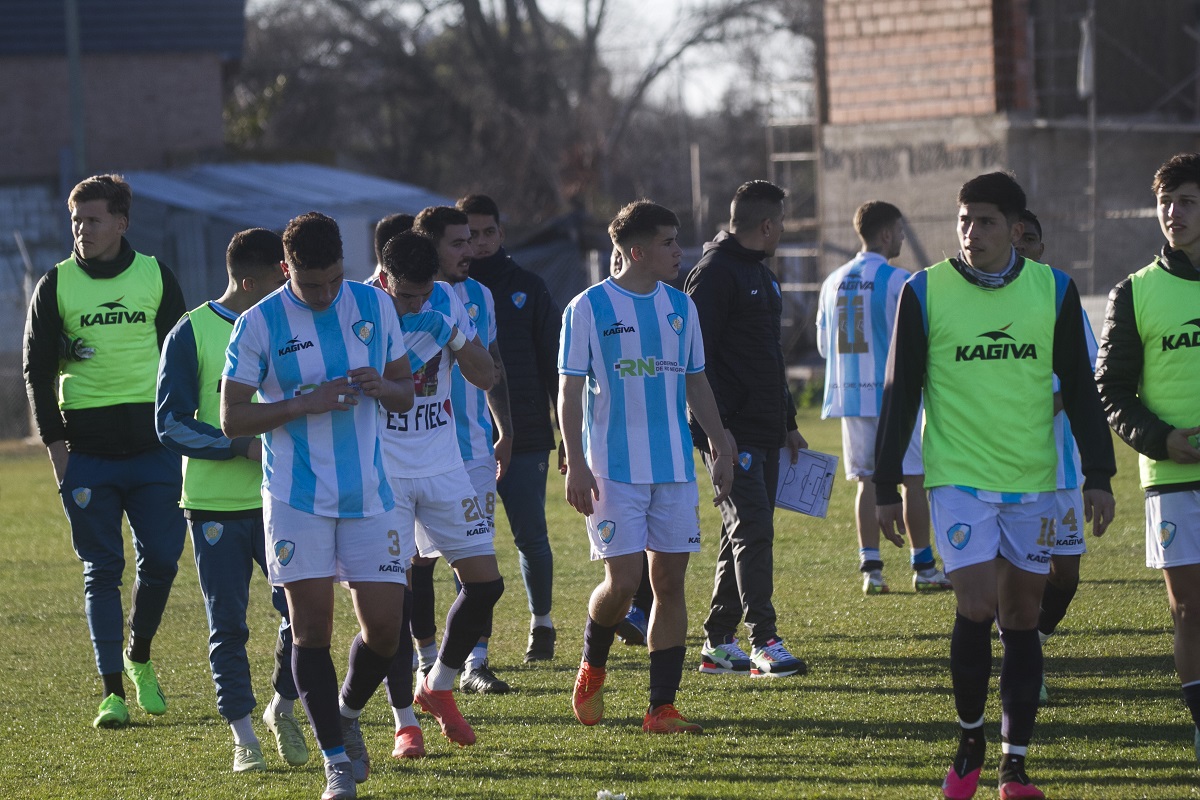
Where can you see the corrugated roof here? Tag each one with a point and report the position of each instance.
(269, 195)
(38, 27)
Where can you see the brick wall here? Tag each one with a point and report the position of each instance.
(897, 60)
(143, 111)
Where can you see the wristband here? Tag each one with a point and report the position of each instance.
(458, 341)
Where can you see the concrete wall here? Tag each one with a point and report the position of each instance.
(143, 111)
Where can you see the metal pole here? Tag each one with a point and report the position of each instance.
(1093, 164)
(697, 200)
(75, 82)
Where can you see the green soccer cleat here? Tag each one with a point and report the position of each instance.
(113, 713)
(289, 738)
(248, 758)
(149, 696)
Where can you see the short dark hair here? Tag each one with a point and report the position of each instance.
(433, 221)
(478, 204)
(872, 217)
(755, 201)
(1031, 221)
(253, 252)
(638, 221)
(409, 256)
(388, 227)
(111, 188)
(1177, 170)
(998, 188)
(312, 241)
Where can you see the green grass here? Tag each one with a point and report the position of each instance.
(873, 718)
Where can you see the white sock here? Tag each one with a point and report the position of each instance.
(1042, 637)
(426, 655)
(282, 705)
(243, 731)
(441, 677)
(477, 658)
(347, 711)
(405, 717)
(1013, 750)
(540, 621)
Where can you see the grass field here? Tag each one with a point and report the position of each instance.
(874, 717)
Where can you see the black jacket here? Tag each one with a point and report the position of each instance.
(527, 327)
(739, 304)
(116, 430)
(1119, 369)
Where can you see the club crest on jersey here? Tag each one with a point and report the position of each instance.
(212, 531)
(745, 460)
(284, 550)
(82, 497)
(607, 530)
(958, 535)
(519, 298)
(1166, 533)
(473, 311)
(364, 330)
(676, 322)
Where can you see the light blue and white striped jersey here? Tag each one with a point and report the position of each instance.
(326, 464)
(855, 316)
(1070, 468)
(635, 351)
(423, 441)
(471, 415)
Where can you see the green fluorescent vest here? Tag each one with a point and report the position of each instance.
(1168, 321)
(115, 316)
(989, 402)
(233, 484)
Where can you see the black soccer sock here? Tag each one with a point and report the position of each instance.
(281, 677)
(643, 598)
(1055, 600)
(366, 671)
(1191, 696)
(424, 626)
(971, 748)
(1020, 682)
(1012, 769)
(316, 681)
(469, 617)
(597, 641)
(114, 684)
(400, 673)
(970, 666)
(139, 648)
(666, 670)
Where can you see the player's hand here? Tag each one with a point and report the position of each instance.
(795, 443)
(891, 522)
(503, 454)
(334, 395)
(1180, 446)
(1098, 509)
(721, 469)
(366, 380)
(58, 459)
(581, 488)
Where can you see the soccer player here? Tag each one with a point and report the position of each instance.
(740, 306)
(527, 327)
(1069, 544)
(324, 355)
(222, 500)
(96, 326)
(433, 491)
(979, 336)
(1149, 376)
(385, 229)
(633, 346)
(855, 316)
(474, 412)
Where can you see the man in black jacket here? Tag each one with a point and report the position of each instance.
(527, 326)
(740, 305)
(92, 340)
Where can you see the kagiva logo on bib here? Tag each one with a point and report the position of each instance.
(364, 330)
(607, 530)
(212, 532)
(958, 535)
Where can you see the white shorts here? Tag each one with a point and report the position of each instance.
(482, 472)
(1069, 523)
(632, 517)
(302, 545)
(858, 448)
(971, 531)
(1172, 521)
(443, 516)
